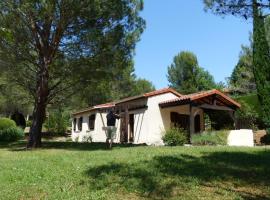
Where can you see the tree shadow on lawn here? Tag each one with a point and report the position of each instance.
(168, 176)
(21, 146)
(84, 146)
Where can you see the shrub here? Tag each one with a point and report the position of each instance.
(87, 138)
(11, 134)
(175, 137)
(210, 138)
(58, 122)
(29, 123)
(266, 139)
(6, 123)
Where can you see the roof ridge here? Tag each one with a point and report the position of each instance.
(201, 94)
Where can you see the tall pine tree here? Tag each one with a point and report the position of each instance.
(261, 63)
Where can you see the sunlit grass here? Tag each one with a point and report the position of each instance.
(65, 170)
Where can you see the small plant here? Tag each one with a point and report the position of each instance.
(210, 138)
(76, 138)
(29, 123)
(11, 134)
(175, 137)
(87, 138)
(6, 123)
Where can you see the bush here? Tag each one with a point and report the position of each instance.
(210, 138)
(29, 123)
(58, 122)
(175, 137)
(11, 134)
(248, 116)
(6, 123)
(266, 139)
(87, 138)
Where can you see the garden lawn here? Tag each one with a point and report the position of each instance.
(65, 170)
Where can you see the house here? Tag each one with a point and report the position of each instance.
(144, 118)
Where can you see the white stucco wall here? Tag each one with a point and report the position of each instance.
(98, 134)
(140, 126)
(242, 137)
(156, 124)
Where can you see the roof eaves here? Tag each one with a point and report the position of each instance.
(106, 105)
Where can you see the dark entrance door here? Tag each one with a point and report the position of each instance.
(127, 134)
(197, 123)
(131, 128)
(123, 131)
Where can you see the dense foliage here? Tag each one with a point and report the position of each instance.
(8, 130)
(240, 8)
(122, 84)
(242, 80)
(13, 97)
(11, 134)
(186, 76)
(266, 139)
(261, 65)
(210, 138)
(6, 123)
(175, 137)
(248, 116)
(57, 122)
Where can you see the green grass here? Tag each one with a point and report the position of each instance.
(65, 170)
(210, 138)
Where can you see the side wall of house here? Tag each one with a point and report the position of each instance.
(96, 135)
(154, 119)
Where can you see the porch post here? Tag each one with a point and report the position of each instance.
(232, 115)
(191, 121)
(126, 123)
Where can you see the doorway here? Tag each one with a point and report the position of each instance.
(131, 128)
(123, 130)
(197, 123)
(127, 129)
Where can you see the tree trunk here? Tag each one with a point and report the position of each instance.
(36, 127)
(39, 113)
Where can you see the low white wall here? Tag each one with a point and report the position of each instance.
(242, 137)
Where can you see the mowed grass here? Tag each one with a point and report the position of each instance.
(65, 170)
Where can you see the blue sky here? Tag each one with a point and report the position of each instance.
(173, 26)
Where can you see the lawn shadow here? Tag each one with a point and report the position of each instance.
(21, 146)
(159, 177)
(84, 146)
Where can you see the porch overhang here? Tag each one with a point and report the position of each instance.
(211, 100)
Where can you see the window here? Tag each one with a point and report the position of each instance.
(180, 120)
(91, 123)
(74, 124)
(80, 124)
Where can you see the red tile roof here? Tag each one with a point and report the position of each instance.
(105, 105)
(199, 95)
(145, 95)
(162, 91)
(150, 94)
